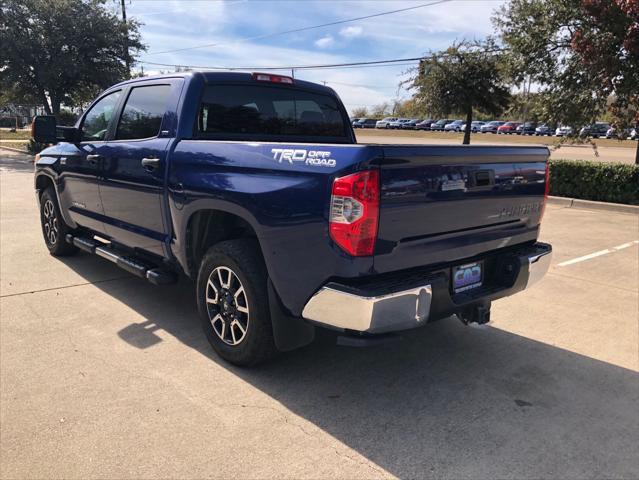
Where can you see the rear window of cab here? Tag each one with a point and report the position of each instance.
(265, 112)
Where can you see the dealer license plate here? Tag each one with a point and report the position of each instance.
(466, 277)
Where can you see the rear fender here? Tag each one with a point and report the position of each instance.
(179, 242)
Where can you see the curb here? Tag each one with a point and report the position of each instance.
(14, 150)
(592, 205)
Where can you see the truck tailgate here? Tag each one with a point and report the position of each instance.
(443, 203)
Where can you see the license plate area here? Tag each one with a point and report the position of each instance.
(467, 277)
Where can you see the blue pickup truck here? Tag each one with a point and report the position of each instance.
(253, 186)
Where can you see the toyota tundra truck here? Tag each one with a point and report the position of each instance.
(253, 186)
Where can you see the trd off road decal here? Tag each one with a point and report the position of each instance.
(314, 158)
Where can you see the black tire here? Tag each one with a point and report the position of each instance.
(54, 230)
(242, 257)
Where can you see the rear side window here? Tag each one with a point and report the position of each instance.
(143, 112)
(262, 112)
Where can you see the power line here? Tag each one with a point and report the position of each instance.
(397, 61)
(367, 64)
(270, 35)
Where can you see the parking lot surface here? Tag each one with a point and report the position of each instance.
(103, 375)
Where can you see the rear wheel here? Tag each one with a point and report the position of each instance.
(233, 303)
(54, 229)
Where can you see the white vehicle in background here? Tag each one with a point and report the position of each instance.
(454, 126)
(397, 124)
(543, 129)
(624, 134)
(563, 131)
(385, 122)
(474, 126)
(491, 127)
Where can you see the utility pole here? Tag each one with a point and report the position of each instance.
(127, 60)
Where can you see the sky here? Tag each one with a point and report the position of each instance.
(231, 26)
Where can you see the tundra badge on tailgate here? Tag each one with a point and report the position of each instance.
(309, 157)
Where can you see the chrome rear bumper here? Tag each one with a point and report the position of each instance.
(538, 265)
(377, 314)
(342, 307)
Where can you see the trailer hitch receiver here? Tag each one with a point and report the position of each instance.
(479, 314)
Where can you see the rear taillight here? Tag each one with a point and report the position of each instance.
(354, 214)
(546, 190)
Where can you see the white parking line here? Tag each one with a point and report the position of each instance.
(598, 254)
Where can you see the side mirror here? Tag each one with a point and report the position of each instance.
(43, 129)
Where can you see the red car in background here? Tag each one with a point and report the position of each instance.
(508, 127)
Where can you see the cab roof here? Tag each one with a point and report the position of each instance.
(231, 77)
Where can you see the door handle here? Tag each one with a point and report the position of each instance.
(150, 164)
(94, 159)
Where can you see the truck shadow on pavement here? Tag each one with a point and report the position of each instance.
(448, 400)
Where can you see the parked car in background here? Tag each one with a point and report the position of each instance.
(491, 127)
(385, 122)
(527, 128)
(596, 130)
(633, 134)
(624, 134)
(354, 120)
(454, 126)
(563, 131)
(544, 129)
(397, 124)
(508, 128)
(410, 125)
(365, 123)
(439, 125)
(424, 124)
(474, 126)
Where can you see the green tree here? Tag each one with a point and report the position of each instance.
(584, 55)
(464, 78)
(526, 106)
(63, 51)
(409, 108)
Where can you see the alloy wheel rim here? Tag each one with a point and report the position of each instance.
(227, 305)
(50, 222)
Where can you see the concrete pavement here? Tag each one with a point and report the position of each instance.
(103, 375)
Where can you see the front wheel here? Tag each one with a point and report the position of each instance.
(233, 302)
(54, 229)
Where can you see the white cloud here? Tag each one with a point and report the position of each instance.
(351, 32)
(326, 41)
